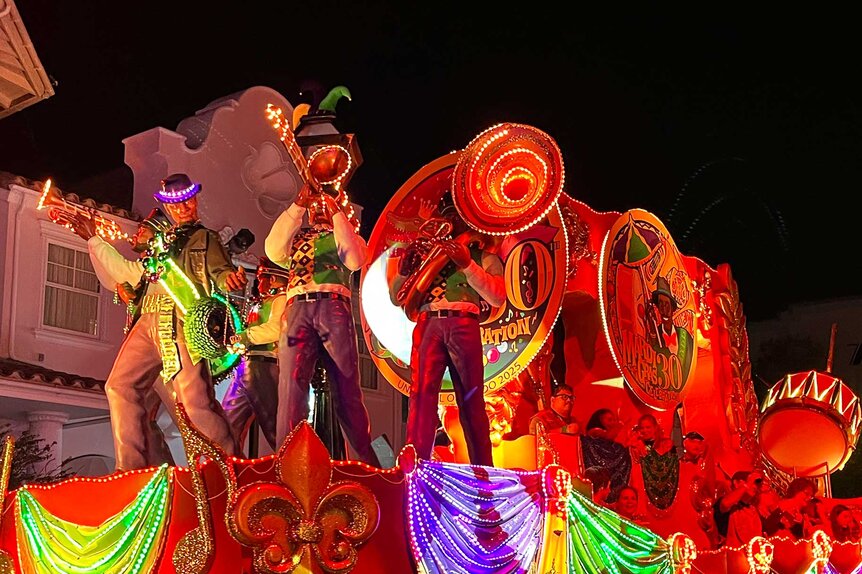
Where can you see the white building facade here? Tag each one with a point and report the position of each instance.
(59, 329)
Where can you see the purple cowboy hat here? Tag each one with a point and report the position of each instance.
(177, 188)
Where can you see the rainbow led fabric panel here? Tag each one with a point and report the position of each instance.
(130, 542)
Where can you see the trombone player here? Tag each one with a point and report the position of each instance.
(318, 318)
(447, 334)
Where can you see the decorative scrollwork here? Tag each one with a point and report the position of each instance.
(821, 549)
(578, 233)
(759, 553)
(743, 407)
(194, 552)
(683, 552)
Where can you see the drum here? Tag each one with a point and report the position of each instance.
(208, 326)
(809, 424)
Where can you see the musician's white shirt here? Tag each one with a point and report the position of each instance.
(352, 249)
(486, 280)
(113, 267)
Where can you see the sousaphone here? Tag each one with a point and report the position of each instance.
(505, 181)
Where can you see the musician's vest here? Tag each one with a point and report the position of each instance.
(314, 260)
(258, 316)
(181, 291)
(451, 284)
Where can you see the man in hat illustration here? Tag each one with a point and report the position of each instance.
(318, 320)
(254, 390)
(663, 334)
(118, 274)
(156, 344)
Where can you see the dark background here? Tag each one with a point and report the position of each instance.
(741, 133)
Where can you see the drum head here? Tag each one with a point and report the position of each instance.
(207, 328)
(803, 440)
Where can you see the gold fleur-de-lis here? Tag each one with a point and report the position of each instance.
(304, 522)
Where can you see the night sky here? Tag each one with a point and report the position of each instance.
(742, 134)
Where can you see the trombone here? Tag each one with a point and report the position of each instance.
(61, 212)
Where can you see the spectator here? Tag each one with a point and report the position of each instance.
(604, 423)
(767, 499)
(598, 448)
(600, 479)
(648, 436)
(658, 462)
(788, 519)
(735, 513)
(814, 517)
(845, 527)
(698, 464)
(557, 417)
(627, 505)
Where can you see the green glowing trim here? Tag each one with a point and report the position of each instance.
(185, 294)
(128, 542)
(600, 540)
(229, 360)
(190, 293)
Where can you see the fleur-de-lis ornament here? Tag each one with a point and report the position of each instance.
(304, 522)
(821, 549)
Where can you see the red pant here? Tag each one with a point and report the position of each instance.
(454, 342)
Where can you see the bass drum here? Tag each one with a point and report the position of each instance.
(208, 326)
(809, 424)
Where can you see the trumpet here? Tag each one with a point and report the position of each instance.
(61, 212)
(328, 167)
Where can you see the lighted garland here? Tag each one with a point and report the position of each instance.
(129, 542)
(463, 521)
(601, 540)
(222, 364)
(205, 317)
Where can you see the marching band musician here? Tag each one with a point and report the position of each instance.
(118, 274)
(156, 343)
(254, 390)
(318, 320)
(447, 334)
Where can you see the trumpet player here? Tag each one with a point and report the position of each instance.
(116, 273)
(318, 320)
(447, 334)
(156, 345)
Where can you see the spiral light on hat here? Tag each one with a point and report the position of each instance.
(507, 179)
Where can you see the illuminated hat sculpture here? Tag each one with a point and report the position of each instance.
(177, 188)
(507, 179)
(332, 156)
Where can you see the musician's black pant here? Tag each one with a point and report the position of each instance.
(253, 393)
(322, 329)
(454, 342)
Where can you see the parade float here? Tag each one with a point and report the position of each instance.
(580, 283)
